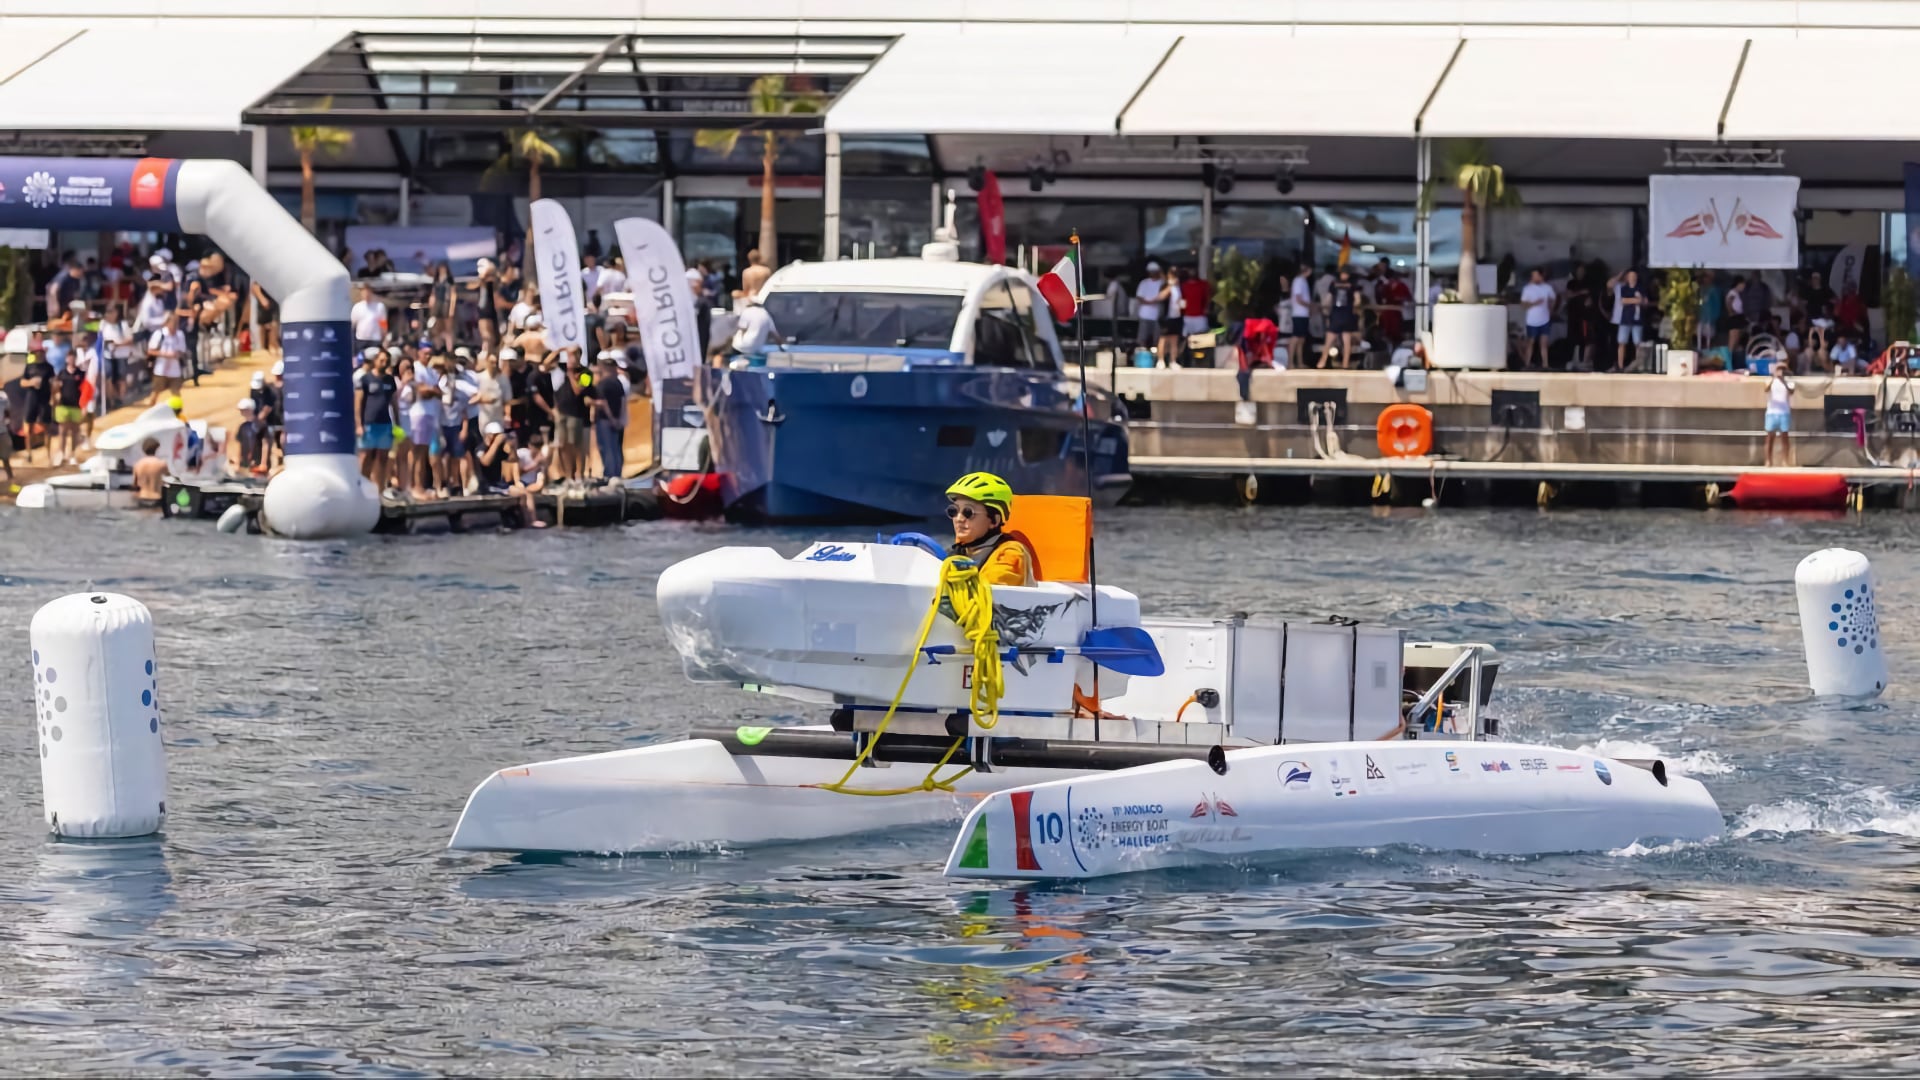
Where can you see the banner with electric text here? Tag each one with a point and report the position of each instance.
(662, 300)
(1723, 222)
(557, 251)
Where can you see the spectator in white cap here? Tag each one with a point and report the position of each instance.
(532, 342)
(514, 382)
(252, 442)
(495, 460)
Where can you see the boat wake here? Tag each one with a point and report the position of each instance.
(1685, 763)
(1866, 811)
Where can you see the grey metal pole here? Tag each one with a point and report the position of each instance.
(830, 240)
(1422, 237)
(1206, 232)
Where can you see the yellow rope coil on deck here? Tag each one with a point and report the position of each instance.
(972, 602)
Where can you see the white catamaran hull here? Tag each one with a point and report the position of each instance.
(694, 795)
(1480, 797)
(1494, 798)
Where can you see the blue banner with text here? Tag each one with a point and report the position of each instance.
(135, 194)
(319, 387)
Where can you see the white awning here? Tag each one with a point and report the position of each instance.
(27, 43)
(1566, 88)
(995, 83)
(1780, 94)
(1268, 84)
(104, 79)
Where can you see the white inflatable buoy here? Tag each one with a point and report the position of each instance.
(233, 519)
(1838, 625)
(103, 766)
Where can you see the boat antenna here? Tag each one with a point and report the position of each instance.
(1086, 451)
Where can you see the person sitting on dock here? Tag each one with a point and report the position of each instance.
(979, 505)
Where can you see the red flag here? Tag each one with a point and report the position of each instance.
(993, 222)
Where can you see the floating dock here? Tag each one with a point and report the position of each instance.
(1504, 436)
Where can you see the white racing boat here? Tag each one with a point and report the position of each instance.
(105, 481)
(1223, 740)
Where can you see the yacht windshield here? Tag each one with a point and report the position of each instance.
(869, 319)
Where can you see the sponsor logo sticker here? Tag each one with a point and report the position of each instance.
(1600, 770)
(149, 184)
(1495, 766)
(1295, 775)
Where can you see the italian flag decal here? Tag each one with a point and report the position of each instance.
(1061, 287)
(975, 857)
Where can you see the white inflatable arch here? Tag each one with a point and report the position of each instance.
(320, 493)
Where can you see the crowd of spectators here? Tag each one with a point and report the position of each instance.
(113, 335)
(445, 405)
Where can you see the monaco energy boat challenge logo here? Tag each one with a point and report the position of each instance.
(39, 190)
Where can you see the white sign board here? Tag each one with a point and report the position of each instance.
(1723, 222)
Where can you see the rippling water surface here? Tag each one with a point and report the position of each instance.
(330, 706)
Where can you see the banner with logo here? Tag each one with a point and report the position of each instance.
(557, 252)
(318, 402)
(135, 194)
(662, 300)
(1723, 222)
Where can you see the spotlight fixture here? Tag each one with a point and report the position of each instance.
(1039, 174)
(977, 175)
(1223, 178)
(1283, 182)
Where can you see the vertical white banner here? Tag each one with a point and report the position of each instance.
(1723, 222)
(557, 252)
(657, 277)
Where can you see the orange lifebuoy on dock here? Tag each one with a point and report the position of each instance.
(1405, 430)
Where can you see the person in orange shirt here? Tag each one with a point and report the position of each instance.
(979, 505)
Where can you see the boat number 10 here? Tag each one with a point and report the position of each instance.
(1050, 828)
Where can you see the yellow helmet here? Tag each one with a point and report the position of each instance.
(985, 488)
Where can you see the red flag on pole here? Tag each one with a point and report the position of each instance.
(993, 222)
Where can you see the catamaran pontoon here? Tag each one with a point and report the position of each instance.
(1211, 740)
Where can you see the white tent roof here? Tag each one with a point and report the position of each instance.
(1268, 84)
(997, 82)
(1777, 97)
(1584, 88)
(102, 79)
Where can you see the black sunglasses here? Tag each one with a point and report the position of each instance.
(960, 512)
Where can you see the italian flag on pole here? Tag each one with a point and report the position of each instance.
(1061, 287)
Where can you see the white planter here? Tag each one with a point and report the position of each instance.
(1469, 336)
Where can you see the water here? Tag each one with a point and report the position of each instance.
(331, 705)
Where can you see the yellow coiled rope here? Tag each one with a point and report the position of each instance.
(972, 603)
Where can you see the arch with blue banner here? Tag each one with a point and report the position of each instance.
(321, 492)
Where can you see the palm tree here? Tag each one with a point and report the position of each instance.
(768, 96)
(1464, 165)
(311, 140)
(531, 146)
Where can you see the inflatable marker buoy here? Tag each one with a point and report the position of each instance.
(1839, 626)
(1792, 491)
(1405, 430)
(103, 766)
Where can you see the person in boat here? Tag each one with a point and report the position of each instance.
(979, 505)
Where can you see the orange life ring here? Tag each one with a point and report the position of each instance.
(1405, 430)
